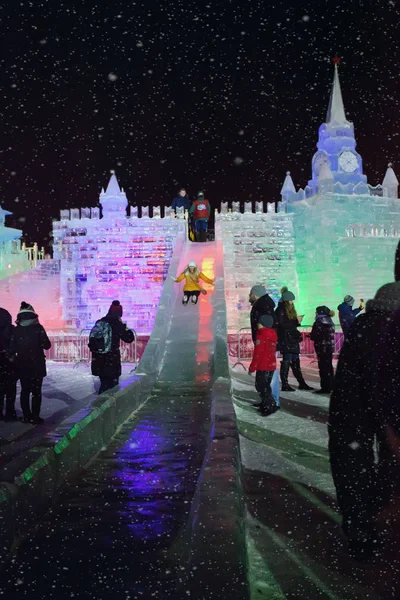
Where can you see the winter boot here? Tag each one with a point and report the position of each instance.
(185, 300)
(285, 364)
(36, 406)
(295, 364)
(268, 406)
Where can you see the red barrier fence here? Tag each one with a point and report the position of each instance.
(72, 347)
(240, 344)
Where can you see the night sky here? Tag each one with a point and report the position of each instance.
(220, 95)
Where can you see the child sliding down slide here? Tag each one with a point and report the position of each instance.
(192, 289)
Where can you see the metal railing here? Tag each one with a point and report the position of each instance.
(245, 344)
(68, 345)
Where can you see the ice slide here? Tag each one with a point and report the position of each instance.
(157, 514)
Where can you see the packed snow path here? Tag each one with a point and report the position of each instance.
(295, 546)
(116, 529)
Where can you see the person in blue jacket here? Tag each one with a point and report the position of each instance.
(347, 313)
(182, 200)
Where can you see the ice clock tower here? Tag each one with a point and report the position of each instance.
(336, 159)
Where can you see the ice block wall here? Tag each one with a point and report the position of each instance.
(113, 258)
(40, 287)
(258, 249)
(345, 244)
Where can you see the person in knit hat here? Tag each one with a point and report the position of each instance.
(192, 288)
(323, 336)
(347, 313)
(104, 343)
(264, 364)
(289, 338)
(261, 304)
(364, 411)
(28, 343)
(200, 211)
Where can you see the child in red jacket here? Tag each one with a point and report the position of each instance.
(264, 363)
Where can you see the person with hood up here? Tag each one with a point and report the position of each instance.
(28, 343)
(8, 380)
(347, 313)
(192, 288)
(104, 343)
(182, 200)
(364, 411)
(200, 211)
(323, 336)
(264, 364)
(289, 338)
(261, 304)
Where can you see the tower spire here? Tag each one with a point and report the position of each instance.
(336, 115)
(113, 186)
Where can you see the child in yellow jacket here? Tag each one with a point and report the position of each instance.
(192, 288)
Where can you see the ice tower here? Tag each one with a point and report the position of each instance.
(12, 258)
(336, 149)
(113, 257)
(346, 230)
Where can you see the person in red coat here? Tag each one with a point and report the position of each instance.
(264, 364)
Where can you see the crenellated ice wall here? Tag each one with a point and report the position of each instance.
(113, 258)
(258, 249)
(345, 244)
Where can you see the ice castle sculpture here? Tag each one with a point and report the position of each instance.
(335, 237)
(345, 229)
(113, 256)
(13, 259)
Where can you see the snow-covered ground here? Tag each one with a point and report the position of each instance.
(294, 543)
(66, 389)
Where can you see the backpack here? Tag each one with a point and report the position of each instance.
(100, 338)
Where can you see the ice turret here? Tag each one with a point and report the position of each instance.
(3, 214)
(288, 191)
(113, 200)
(390, 183)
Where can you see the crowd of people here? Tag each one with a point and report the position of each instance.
(22, 357)
(364, 410)
(199, 211)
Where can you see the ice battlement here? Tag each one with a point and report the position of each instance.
(133, 212)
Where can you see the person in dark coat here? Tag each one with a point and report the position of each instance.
(261, 304)
(364, 410)
(289, 338)
(182, 200)
(323, 336)
(8, 380)
(200, 211)
(108, 366)
(347, 313)
(28, 343)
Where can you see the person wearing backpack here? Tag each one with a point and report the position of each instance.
(104, 341)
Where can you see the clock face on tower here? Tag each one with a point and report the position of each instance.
(348, 161)
(319, 159)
